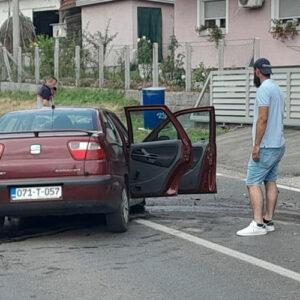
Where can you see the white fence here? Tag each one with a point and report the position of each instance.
(232, 93)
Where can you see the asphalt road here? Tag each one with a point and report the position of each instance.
(76, 258)
(234, 149)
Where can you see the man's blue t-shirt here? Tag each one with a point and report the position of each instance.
(269, 94)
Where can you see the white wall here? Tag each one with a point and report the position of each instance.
(27, 7)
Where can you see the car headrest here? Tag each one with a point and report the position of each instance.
(62, 122)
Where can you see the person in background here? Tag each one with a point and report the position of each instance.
(46, 93)
(268, 149)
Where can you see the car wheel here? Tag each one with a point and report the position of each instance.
(138, 208)
(118, 221)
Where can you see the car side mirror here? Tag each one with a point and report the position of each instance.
(163, 138)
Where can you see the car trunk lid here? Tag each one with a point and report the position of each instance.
(43, 154)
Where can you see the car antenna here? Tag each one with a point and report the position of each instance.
(52, 107)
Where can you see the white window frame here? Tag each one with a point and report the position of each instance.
(275, 11)
(201, 17)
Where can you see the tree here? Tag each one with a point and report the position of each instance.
(98, 38)
(27, 33)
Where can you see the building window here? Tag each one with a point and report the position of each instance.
(212, 12)
(286, 10)
(42, 21)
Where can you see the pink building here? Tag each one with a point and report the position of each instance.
(129, 19)
(241, 25)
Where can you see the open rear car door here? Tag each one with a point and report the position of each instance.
(171, 153)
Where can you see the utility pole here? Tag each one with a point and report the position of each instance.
(16, 29)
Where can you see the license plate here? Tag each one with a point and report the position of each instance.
(36, 193)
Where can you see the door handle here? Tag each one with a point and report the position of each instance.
(143, 153)
(143, 156)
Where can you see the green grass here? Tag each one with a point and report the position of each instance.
(86, 97)
(17, 95)
(76, 97)
(68, 97)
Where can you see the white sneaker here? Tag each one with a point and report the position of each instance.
(252, 230)
(269, 226)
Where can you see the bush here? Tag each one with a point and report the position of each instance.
(144, 52)
(172, 67)
(200, 74)
(46, 45)
(215, 33)
(284, 30)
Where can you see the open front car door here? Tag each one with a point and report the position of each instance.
(199, 124)
(171, 153)
(155, 166)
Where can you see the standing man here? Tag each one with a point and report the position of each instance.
(45, 97)
(268, 149)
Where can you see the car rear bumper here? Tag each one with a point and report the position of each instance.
(93, 194)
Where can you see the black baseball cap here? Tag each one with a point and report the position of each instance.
(263, 65)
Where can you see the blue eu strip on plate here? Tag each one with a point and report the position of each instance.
(13, 193)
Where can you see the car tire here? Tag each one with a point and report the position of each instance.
(118, 221)
(138, 208)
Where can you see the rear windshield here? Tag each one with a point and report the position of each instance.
(48, 119)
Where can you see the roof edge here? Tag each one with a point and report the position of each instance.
(92, 2)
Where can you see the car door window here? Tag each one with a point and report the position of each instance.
(168, 132)
(196, 125)
(121, 128)
(143, 123)
(111, 129)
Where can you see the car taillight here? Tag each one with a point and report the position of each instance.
(86, 150)
(1, 150)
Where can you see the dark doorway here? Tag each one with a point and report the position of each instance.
(42, 21)
(150, 25)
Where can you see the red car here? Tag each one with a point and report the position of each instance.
(69, 160)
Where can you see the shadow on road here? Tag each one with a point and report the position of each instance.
(17, 229)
